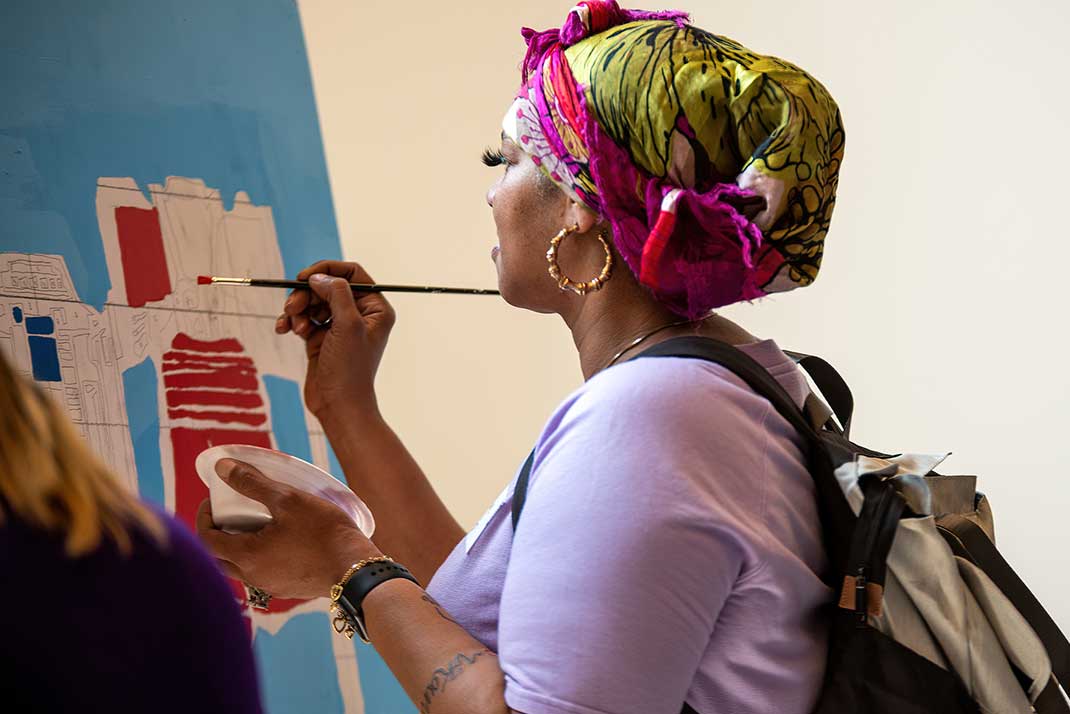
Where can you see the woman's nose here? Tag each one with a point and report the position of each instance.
(490, 197)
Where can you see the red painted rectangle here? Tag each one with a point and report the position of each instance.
(226, 378)
(141, 250)
(208, 397)
(183, 341)
(250, 418)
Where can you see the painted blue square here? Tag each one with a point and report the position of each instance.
(40, 325)
(45, 359)
(16, 312)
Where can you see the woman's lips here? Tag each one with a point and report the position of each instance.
(494, 252)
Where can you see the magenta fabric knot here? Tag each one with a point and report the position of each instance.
(589, 17)
(695, 251)
(539, 43)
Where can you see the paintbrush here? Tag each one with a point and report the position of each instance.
(358, 287)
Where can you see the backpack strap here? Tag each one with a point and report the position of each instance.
(520, 493)
(968, 540)
(832, 386)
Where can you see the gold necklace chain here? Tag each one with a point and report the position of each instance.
(641, 338)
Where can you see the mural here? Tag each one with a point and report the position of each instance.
(140, 146)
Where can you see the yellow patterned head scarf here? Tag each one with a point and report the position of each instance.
(716, 166)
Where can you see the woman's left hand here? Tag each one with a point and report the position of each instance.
(301, 553)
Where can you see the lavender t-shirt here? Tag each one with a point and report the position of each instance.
(669, 551)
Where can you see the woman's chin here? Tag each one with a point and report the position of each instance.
(524, 299)
(510, 293)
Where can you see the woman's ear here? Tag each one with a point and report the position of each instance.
(577, 214)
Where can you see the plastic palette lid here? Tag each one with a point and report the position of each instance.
(235, 513)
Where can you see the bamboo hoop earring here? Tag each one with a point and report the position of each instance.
(566, 283)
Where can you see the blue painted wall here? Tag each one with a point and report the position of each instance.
(218, 90)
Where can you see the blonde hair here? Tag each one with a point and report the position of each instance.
(52, 480)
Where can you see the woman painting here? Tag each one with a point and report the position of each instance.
(669, 552)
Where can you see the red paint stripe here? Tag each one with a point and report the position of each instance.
(181, 354)
(282, 604)
(207, 397)
(224, 417)
(183, 341)
(230, 378)
(142, 254)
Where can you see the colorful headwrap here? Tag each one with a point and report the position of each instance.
(715, 166)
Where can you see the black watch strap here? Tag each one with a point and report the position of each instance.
(363, 582)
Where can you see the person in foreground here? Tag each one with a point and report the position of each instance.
(669, 555)
(106, 604)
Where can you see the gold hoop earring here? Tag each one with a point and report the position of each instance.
(566, 283)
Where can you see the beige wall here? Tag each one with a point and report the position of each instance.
(941, 301)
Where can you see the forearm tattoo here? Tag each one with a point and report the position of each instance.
(438, 608)
(444, 675)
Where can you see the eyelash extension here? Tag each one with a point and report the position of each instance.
(493, 158)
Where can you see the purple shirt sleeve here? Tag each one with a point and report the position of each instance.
(638, 525)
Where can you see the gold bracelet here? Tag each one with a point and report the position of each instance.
(342, 622)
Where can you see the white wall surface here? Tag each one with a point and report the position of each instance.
(941, 298)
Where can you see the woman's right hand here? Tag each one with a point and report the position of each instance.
(344, 355)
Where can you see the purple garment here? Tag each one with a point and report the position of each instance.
(158, 631)
(669, 551)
